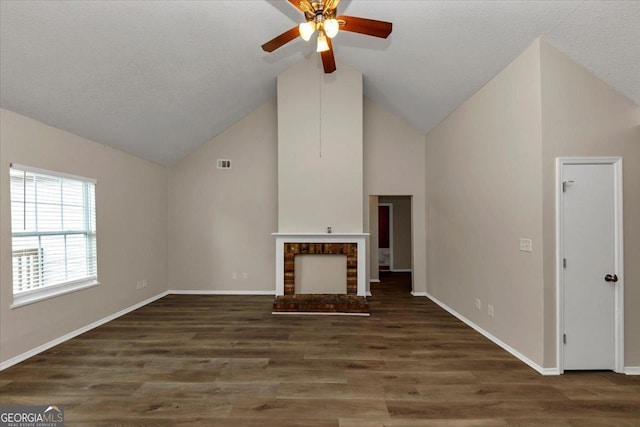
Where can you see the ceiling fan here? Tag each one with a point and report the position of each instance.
(321, 16)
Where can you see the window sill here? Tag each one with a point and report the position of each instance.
(43, 294)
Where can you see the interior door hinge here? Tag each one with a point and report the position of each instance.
(564, 338)
(564, 263)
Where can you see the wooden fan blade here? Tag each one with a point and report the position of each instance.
(328, 61)
(281, 40)
(370, 27)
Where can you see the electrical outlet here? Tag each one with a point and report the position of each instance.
(245, 275)
(139, 285)
(144, 283)
(526, 245)
(490, 310)
(478, 304)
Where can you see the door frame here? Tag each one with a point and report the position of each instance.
(619, 256)
(390, 206)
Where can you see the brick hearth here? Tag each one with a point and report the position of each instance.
(321, 303)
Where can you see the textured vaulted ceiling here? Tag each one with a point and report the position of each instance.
(158, 79)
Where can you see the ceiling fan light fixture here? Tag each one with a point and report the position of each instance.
(322, 46)
(331, 27)
(322, 17)
(306, 30)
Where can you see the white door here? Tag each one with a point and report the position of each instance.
(589, 251)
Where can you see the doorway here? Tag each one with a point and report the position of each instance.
(385, 236)
(590, 282)
(395, 246)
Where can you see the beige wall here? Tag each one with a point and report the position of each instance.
(204, 249)
(220, 221)
(401, 206)
(394, 164)
(131, 202)
(320, 149)
(491, 180)
(484, 192)
(583, 116)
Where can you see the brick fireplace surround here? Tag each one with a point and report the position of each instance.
(293, 249)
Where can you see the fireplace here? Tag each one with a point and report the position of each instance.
(288, 245)
(348, 249)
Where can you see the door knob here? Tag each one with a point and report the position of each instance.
(611, 278)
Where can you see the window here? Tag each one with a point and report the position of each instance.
(53, 225)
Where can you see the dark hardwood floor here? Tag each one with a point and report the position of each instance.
(227, 361)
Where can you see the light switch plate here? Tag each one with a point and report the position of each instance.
(526, 245)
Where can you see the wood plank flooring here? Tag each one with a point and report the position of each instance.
(227, 361)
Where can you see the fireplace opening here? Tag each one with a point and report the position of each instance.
(320, 274)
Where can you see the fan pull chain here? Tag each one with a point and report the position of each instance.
(320, 113)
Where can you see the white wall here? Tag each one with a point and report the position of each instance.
(583, 116)
(320, 149)
(484, 192)
(131, 217)
(220, 221)
(394, 164)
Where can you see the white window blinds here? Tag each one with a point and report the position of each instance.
(53, 224)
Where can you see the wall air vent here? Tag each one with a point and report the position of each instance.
(224, 164)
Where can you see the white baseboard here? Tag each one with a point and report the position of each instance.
(418, 294)
(24, 356)
(632, 370)
(400, 270)
(374, 281)
(514, 352)
(218, 292)
(369, 294)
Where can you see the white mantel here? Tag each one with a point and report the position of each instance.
(359, 238)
